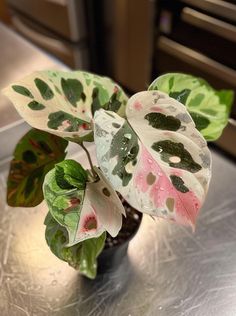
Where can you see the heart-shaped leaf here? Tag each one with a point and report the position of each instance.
(81, 256)
(157, 159)
(85, 209)
(35, 154)
(208, 108)
(63, 103)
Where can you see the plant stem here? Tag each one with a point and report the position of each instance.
(89, 159)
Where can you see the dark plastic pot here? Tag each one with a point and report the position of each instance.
(111, 258)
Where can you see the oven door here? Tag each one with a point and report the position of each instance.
(199, 37)
(64, 17)
(75, 55)
(174, 57)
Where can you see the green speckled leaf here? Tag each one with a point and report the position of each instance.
(162, 121)
(209, 108)
(83, 208)
(157, 160)
(35, 154)
(180, 96)
(73, 90)
(44, 89)
(63, 103)
(124, 147)
(34, 105)
(82, 256)
(22, 90)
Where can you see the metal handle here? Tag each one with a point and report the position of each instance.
(198, 60)
(218, 7)
(59, 2)
(209, 24)
(232, 122)
(227, 139)
(42, 40)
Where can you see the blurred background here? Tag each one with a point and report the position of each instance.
(132, 41)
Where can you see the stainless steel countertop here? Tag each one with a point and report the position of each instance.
(168, 271)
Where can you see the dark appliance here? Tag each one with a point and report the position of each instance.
(199, 37)
(57, 26)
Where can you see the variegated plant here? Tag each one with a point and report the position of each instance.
(63, 103)
(156, 158)
(150, 148)
(208, 107)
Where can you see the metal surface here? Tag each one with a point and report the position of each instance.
(199, 60)
(169, 270)
(209, 24)
(218, 7)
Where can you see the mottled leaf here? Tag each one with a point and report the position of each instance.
(35, 154)
(160, 164)
(44, 89)
(85, 209)
(73, 90)
(34, 105)
(209, 108)
(63, 103)
(81, 256)
(22, 90)
(70, 174)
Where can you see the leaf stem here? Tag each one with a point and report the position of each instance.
(89, 159)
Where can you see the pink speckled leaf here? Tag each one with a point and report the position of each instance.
(157, 160)
(85, 209)
(101, 208)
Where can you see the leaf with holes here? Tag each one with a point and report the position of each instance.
(35, 154)
(63, 103)
(208, 108)
(86, 209)
(156, 159)
(82, 256)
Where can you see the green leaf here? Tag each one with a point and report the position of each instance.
(34, 105)
(63, 103)
(69, 122)
(73, 90)
(22, 90)
(125, 148)
(161, 121)
(35, 154)
(85, 209)
(70, 174)
(200, 121)
(156, 159)
(180, 96)
(209, 108)
(82, 256)
(44, 89)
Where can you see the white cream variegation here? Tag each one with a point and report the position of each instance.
(84, 213)
(63, 103)
(157, 160)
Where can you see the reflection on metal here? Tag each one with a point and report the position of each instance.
(194, 58)
(209, 24)
(217, 7)
(169, 270)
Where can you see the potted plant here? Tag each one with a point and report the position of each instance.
(151, 150)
